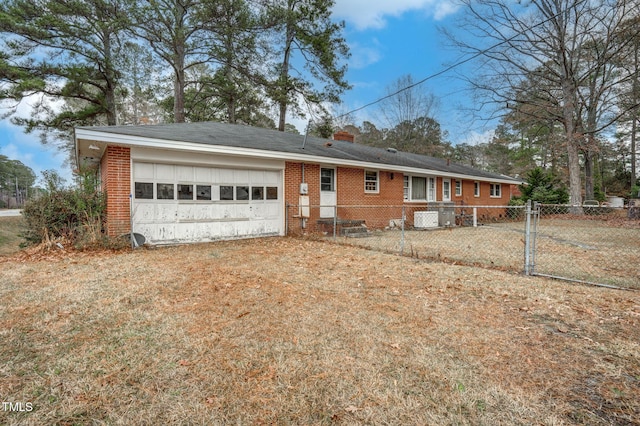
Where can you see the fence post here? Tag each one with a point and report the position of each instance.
(402, 234)
(286, 219)
(527, 237)
(534, 237)
(335, 220)
(475, 217)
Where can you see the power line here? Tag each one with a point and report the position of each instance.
(454, 65)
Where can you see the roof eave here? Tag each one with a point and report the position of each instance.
(84, 134)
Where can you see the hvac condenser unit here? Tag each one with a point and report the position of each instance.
(425, 219)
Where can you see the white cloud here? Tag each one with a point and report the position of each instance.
(365, 14)
(363, 56)
(475, 138)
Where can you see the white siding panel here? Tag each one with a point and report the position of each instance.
(165, 172)
(225, 176)
(143, 171)
(184, 174)
(203, 174)
(271, 178)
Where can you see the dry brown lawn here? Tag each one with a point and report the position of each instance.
(10, 230)
(288, 331)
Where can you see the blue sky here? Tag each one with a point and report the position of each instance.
(388, 39)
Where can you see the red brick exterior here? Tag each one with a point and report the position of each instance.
(351, 192)
(115, 173)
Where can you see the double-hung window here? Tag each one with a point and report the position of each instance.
(458, 188)
(371, 181)
(405, 187)
(495, 190)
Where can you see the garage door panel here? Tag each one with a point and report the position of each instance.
(271, 178)
(143, 171)
(202, 174)
(241, 176)
(171, 221)
(165, 172)
(186, 212)
(184, 173)
(144, 212)
(225, 176)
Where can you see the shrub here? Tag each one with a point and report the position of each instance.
(73, 214)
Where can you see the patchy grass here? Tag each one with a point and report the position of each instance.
(287, 331)
(10, 239)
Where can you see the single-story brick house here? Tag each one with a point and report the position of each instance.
(205, 181)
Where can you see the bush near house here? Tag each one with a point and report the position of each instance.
(75, 215)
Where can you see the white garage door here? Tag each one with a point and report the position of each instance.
(173, 203)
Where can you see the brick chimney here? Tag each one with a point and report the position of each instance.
(343, 136)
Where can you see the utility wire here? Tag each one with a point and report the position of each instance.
(452, 66)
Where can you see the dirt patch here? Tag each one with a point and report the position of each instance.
(305, 332)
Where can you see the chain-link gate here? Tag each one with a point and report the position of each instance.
(594, 245)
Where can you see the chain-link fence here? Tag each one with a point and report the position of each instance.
(594, 245)
(483, 235)
(590, 244)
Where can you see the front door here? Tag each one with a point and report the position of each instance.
(328, 197)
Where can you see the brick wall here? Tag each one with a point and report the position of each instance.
(115, 169)
(350, 192)
(468, 195)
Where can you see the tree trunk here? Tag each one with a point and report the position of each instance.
(635, 90)
(634, 130)
(178, 91)
(110, 83)
(589, 193)
(568, 110)
(283, 100)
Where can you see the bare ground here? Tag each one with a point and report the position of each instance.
(287, 331)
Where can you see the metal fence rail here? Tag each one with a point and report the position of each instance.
(594, 245)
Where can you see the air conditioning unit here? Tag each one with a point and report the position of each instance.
(425, 219)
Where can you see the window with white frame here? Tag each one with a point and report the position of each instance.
(431, 194)
(495, 190)
(458, 188)
(446, 189)
(371, 181)
(418, 188)
(405, 187)
(476, 189)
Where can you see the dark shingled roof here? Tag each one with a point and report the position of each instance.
(235, 135)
